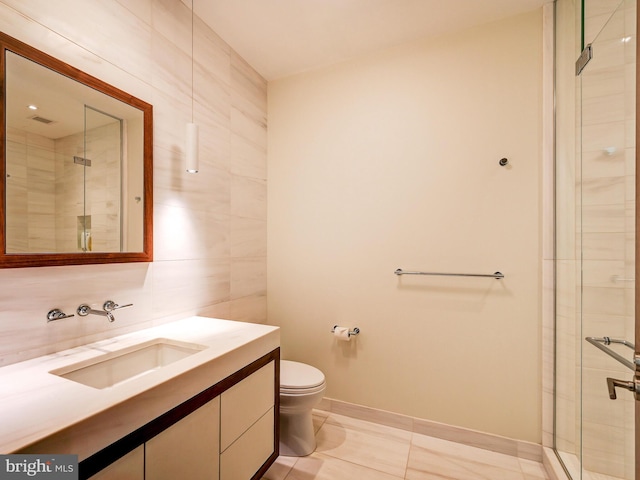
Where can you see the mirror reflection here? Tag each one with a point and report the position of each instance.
(74, 165)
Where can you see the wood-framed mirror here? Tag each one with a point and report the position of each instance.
(76, 165)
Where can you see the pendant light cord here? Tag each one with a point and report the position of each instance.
(192, 59)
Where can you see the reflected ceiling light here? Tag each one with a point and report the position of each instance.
(191, 137)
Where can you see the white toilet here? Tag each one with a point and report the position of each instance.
(301, 388)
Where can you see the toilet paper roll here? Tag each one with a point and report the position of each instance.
(342, 333)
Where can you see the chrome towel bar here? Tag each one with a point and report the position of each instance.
(496, 275)
(601, 342)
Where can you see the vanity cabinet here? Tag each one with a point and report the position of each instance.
(246, 424)
(227, 432)
(129, 467)
(187, 449)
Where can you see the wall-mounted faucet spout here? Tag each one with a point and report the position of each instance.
(84, 310)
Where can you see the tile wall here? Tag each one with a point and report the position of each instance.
(31, 192)
(209, 228)
(46, 196)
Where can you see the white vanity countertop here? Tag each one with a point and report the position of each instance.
(45, 411)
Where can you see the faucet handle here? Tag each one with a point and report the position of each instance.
(57, 314)
(110, 306)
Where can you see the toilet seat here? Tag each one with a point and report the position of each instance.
(300, 379)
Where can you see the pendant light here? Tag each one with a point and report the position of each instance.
(191, 150)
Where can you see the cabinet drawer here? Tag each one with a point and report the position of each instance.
(244, 403)
(129, 467)
(187, 449)
(247, 454)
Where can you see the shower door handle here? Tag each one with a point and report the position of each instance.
(632, 386)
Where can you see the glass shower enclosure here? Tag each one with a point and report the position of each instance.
(594, 434)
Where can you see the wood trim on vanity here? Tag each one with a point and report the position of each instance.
(100, 460)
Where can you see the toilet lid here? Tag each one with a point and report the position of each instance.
(296, 375)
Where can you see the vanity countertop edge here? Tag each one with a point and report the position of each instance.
(40, 409)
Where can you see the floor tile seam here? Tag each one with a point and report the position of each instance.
(370, 467)
(406, 467)
(512, 468)
(322, 422)
(293, 467)
(461, 458)
(360, 465)
(462, 465)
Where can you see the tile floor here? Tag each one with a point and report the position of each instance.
(350, 449)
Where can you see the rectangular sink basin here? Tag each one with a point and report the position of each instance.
(132, 362)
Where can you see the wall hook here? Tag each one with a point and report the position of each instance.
(503, 162)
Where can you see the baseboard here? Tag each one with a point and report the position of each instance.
(487, 441)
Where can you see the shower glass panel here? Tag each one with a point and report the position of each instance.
(102, 217)
(595, 225)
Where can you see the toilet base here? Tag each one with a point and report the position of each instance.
(297, 435)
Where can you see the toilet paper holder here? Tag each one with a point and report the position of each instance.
(353, 332)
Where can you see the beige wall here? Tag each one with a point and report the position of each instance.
(210, 229)
(391, 161)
